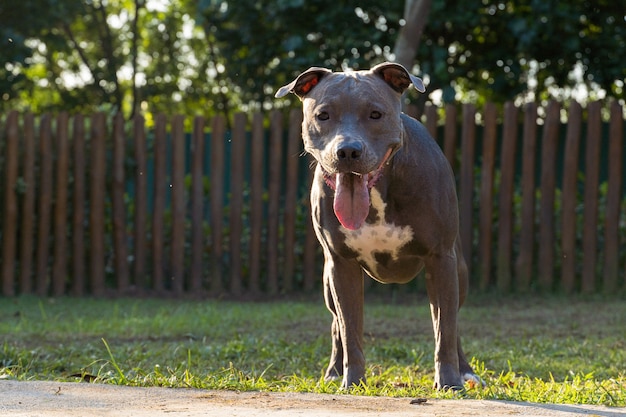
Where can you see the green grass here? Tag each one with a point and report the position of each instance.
(557, 350)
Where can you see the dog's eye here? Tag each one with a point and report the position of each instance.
(376, 115)
(323, 116)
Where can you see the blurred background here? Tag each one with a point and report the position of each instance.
(150, 131)
(217, 56)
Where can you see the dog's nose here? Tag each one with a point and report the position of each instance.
(349, 151)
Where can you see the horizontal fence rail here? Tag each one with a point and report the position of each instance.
(102, 206)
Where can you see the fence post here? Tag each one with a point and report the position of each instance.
(59, 268)
(507, 179)
(311, 244)
(486, 194)
(569, 200)
(158, 211)
(78, 203)
(468, 146)
(548, 185)
(524, 264)
(275, 164)
(291, 194)
(237, 167)
(9, 229)
(431, 121)
(449, 136)
(97, 188)
(592, 173)
(256, 201)
(28, 207)
(177, 187)
(45, 203)
(141, 204)
(217, 201)
(197, 203)
(611, 230)
(119, 206)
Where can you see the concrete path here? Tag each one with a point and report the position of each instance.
(51, 399)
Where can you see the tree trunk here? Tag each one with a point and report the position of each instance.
(415, 17)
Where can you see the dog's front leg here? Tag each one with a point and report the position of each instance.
(443, 292)
(343, 291)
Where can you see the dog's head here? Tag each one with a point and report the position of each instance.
(352, 127)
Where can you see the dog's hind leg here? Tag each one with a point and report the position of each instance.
(443, 293)
(466, 371)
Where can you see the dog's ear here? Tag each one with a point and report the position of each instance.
(304, 83)
(398, 77)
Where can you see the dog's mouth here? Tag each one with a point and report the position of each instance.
(352, 198)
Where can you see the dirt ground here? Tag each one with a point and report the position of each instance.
(51, 399)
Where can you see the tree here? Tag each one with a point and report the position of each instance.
(82, 55)
(208, 56)
(262, 44)
(491, 50)
(410, 34)
(500, 50)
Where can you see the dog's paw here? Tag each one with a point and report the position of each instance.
(332, 378)
(473, 380)
(448, 378)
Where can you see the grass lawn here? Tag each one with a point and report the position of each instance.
(557, 349)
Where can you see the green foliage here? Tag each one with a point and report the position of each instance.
(210, 56)
(502, 49)
(77, 56)
(263, 44)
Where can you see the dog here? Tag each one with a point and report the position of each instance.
(383, 201)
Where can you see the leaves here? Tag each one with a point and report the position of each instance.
(207, 56)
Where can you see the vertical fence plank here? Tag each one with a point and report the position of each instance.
(59, 267)
(468, 146)
(120, 250)
(237, 168)
(569, 198)
(310, 242)
(9, 227)
(256, 201)
(28, 206)
(613, 201)
(412, 110)
(291, 195)
(548, 186)
(97, 201)
(431, 121)
(217, 201)
(197, 204)
(158, 210)
(273, 206)
(507, 184)
(592, 179)
(141, 203)
(486, 194)
(449, 136)
(78, 204)
(45, 204)
(178, 205)
(524, 263)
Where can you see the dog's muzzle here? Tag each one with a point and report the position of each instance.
(352, 199)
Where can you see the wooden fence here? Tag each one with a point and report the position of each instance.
(96, 205)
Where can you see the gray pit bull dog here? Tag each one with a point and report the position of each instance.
(383, 201)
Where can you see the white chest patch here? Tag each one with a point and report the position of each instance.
(378, 237)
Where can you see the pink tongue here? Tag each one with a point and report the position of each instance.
(352, 200)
